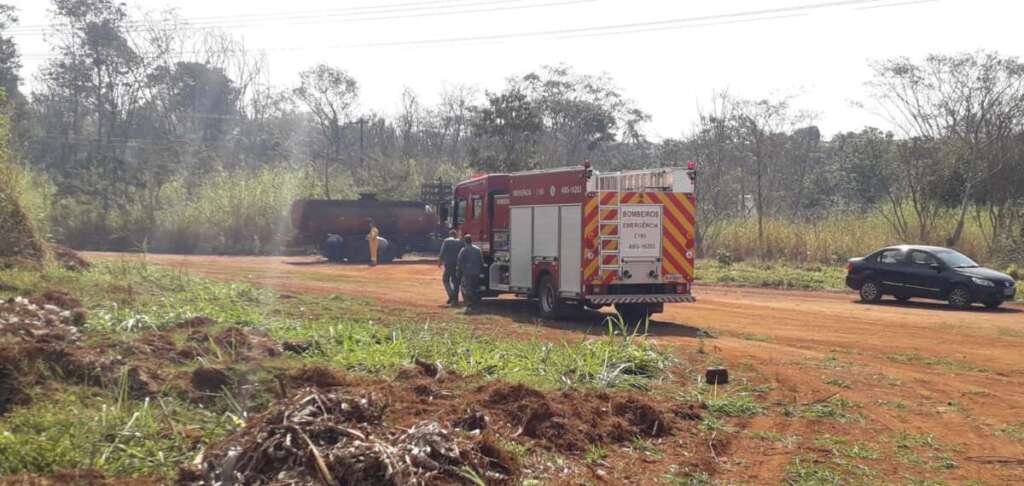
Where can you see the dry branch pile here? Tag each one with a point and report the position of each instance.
(331, 437)
(40, 320)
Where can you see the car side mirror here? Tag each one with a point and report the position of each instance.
(936, 267)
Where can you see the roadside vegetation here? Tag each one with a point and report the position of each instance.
(166, 365)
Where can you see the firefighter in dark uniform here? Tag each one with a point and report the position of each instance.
(471, 263)
(449, 257)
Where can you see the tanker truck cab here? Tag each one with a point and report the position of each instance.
(574, 237)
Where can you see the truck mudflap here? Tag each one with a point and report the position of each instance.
(641, 299)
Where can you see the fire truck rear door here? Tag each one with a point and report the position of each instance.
(571, 245)
(521, 243)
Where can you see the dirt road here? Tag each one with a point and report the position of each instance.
(915, 370)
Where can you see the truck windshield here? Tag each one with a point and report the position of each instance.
(955, 259)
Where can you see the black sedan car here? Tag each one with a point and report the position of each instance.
(928, 272)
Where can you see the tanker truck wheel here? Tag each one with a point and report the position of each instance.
(549, 304)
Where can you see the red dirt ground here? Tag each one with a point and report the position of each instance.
(918, 367)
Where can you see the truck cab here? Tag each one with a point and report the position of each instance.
(475, 209)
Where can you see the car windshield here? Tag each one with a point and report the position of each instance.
(955, 259)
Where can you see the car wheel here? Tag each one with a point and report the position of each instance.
(993, 304)
(549, 305)
(960, 297)
(870, 291)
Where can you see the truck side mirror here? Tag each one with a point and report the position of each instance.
(936, 267)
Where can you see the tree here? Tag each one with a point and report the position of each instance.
(507, 129)
(329, 93)
(761, 127)
(10, 59)
(581, 113)
(970, 104)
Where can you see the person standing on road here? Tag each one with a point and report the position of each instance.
(449, 257)
(372, 240)
(471, 263)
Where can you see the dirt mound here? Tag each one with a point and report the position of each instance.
(570, 421)
(11, 391)
(56, 298)
(69, 259)
(20, 245)
(319, 376)
(44, 330)
(246, 343)
(337, 437)
(208, 379)
(198, 322)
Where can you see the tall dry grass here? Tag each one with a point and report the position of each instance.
(832, 238)
(224, 212)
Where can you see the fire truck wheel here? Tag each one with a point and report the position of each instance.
(633, 314)
(549, 305)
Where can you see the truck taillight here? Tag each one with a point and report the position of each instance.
(849, 267)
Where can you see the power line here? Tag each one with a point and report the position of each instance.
(632, 27)
(612, 29)
(318, 17)
(601, 31)
(704, 24)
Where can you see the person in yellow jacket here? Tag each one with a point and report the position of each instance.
(372, 239)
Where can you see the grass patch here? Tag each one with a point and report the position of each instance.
(841, 447)
(915, 358)
(805, 471)
(738, 401)
(1013, 431)
(86, 428)
(835, 408)
(836, 382)
(923, 450)
(690, 479)
(595, 454)
(772, 274)
(68, 427)
(1011, 332)
(644, 446)
(788, 441)
(832, 363)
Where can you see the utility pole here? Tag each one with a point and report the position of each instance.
(362, 125)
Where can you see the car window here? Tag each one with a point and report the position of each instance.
(956, 259)
(922, 258)
(890, 257)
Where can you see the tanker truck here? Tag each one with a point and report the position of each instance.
(407, 226)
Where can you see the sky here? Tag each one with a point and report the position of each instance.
(669, 56)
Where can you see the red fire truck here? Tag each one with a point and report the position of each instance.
(577, 237)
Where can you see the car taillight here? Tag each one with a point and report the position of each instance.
(849, 267)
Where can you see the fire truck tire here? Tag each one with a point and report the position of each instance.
(549, 305)
(634, 314)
